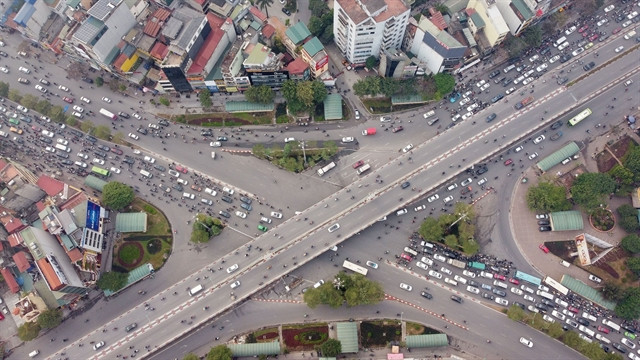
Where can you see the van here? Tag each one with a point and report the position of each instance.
(410, 251)
(34, 353)
(210, 191)
(586, 330)
(426, 244)
(188, 196)
(146, 174)
(429, 114)
(509, 68)
(499, 284)
(559, 41)
(611, 324)
(195, 290)
(63, 148)
(603, 339)
(433, 121)
(588, 316)
(544, 294)
(363, 169)
(630, 35)
(451, 282)
(564, 263)
(460, 279)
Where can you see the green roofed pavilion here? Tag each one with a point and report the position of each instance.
(566, 220)
(557, 157)
(94, 182)
(347, 333)
(246, 350)
(586, 291)
(135, 275)
(333, 107)
(131, 222)
(246, 106)
(407, 99)
(422, 341)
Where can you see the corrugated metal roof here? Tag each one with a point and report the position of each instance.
(333, 107)
(94, 182)
(246, 106)
(313, 46)
(557, 157)
(524, 10)
(566, 220)
(267, 348)
(135, 275)
(586, 291)
(298, 32)
(407, 99)
(347, 333)
(422, 341)
(131, 222)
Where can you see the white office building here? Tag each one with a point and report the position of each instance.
(362, 28)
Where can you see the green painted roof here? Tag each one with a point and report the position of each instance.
(245, 350)
(586, 291)
(246, 106)
(333, 107)
(523, 9)
(73, 3)
(347, 333)
(557, 157)
(135, 275)
(477, 20)
(566, 220)
(298, 32)
(131, 222)
(313, 46)
(407, 99)
(422, 341)
(94, 182)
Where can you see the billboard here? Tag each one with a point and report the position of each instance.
(583, 250)
(322, 62)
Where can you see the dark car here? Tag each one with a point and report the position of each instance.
(227, 199)
(3, 54)
(286, 11)
(482, 170)
(177, 187)
(563, 80)
(116, 151)
(543, 222)
(426, 295)
(130, 327)
(224, 214)
(45, 140)
(77, 133)
(123, 114)
(246, 206)
(491, 117)
(497, 98)
(67, 162)
(565, 58)
(164, 122)
(499, 292)
(100, 154)
(494, 74)
(619, 347)
(474, 283)
(488, 296)
(159, 168)
(142, 131)
(456, 298)
(556, 125)
(542, 307)
(545, 51)
(87, 80)
(128, 160)
(222, 138)
(583, 321)
(91, 139)
(547, 302)
(62, 155)
(521, 305)
(104, 147)
(544, 228)
(245, 200)
(589, 66)
(405, 184)
(556, 136)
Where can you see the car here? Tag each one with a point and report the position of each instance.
(68, 100)
(539, 139)
(371, 264)
(24, 70)
(276, 215)
(628, 343)
(232, 268)
(357, 113)
(488, 296)
(98, 345)
(286, 11)
(334, 227)
(420, 208)
(116, 170)
(134, 136)
(235, 284)
(435, 274)
(433, 198)
(508, 162)
(407, 148)
(480, 83)
(543, 67)
(397, 129)
(499, 292)
(619, 49)
(347, 139)
(494, 74)
(499, 277)
(426, 295)
(609, 8)
(130, 327)
(529, 298)
(241, 214)
(615, 31)
(107, 100)
(357, 164)
(41, 89)
(448, 199)
(402, 212)
(628, 82)
(3, 54)
(526, 342)
(502, 301)
(533, 156)
(554, 59)
(78, 108)
(405, 185)
(491, 117)
(139, 117)
(24, 81)
(445, 270)
(98, 161)
(626, 23)
(482, 181)
(619, 347)
(527, 81)
(536, 57)
(473, 290)
(466, 182)
(544, 228)
(456, 298)
(454, 97)
(630, 335)
(215, 144)
(595, 279)
(510, 90)
(422, 265)
(385, 118)
(85, 100)
(406, 287)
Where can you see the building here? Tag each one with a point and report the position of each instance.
(435, 48)
(314, 54)
(517, 14)
(295, 37)
(486, 23)
(362, 28)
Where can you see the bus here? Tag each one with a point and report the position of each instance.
(100, 171)
(355, 268)
(556, 285)
(521, 275)
(108, 114)
(581, 116)
(476, 265)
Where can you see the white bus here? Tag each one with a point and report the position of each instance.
(555, 285)
(611, 324)
(355, 268)
(559, 41)
(146, 174)
(108, 114)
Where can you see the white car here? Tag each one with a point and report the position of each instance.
(529, 298)
(4, 70)
(473, 289)
(510, 90)
(480, 83)
(558, 315)
(628, 342)
(62, 142)
(174, 173)
(626, 23)
(435, 274)
(570, 30)
(485, 87)
(402, 212)
(98, 161)
(137, 152)
(78, 108)
(533, 156)
(334, 227)
(422, 265)
(289, 139)
(563, 46)
(116, 170)
(568, 313)
(427, 261)
(154, 126)
(467, 115)
(469, 274)
(407, 287)
(276, 215)
(456, 117)
(235, 284)
(554, 59)
(527, 81)
(137, 116)
(433, 198)
(609, 8)
(84, 99)
(215, 144)
(519, 79)
(83, 156)
(439, 257)
(577, 51)
(232, 268)
(134, 136)
(63, 88)
(539, 139)
(41, 89)
(448, 198)
(464, 101)
(241, 214)
(347, 139)
(517, 291)
(419, 208)
(107, 100)
(502, 301)
(407, 148)
(619, 49)
(525, 288)
(602, 22)
(98, 345)
(445, 270)
(371, 264)
(536, 57)
(22, 108)
(472, 107)
(466, 182)
(595, 279)
(24, 70)
(77, 114)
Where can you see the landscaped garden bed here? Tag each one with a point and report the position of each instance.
(379, 333)
(299, 338)
(266, 335)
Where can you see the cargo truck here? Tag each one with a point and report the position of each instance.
(325, 169)
(369, 131)
(457, 263)
(524, 103)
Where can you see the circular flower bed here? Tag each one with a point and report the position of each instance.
(130, 254)
(602, 220)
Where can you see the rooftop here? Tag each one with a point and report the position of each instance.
(298, 32)
(156, 21)
(313, 46)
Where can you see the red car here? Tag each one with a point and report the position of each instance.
(593, 37)
(573, 310)
(358, 164)
(499, 277)
(396, 129)
(68, 99)
(603, 329)
(35, 128)
(116, 150)
(514, 281)
(1, 316)
(181, 169)
(617, 30)
(508, 162)
(583, 29)
(544, 248)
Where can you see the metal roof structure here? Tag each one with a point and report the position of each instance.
(566, 220)
(586, 291)
(135, 275)
(298, 32)
(347, 333)
(407, 99)
(131, 222)
(246, 106)
(101, 9)
(422, 341)
(94, 182)
(557, 157)
(313, 46)
(333, 107)
(243, 350)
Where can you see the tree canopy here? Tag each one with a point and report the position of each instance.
(628, 218)
(354, 289)
(628, 307)
(205, 98)
(220, 352)
(262, 94)
(331, 348)
(303, 95)
(546, 197)
(112, 280)
(116, 195)
(631, 243)
(50, 318)
(631, 161)
(455, 230)
(589, 189)
(204, 228)
(28, 331)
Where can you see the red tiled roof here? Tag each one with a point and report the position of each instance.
(257, 14)
(49, 274)
(11, 281)
(159, 50)
(297, 66)
(210, 44)
(2, 164)
(50, 185)
(200, 2)
(14, 240)
(74, 255)
(117, 63)
(13, 225)
(75, 200)
(156, 21)
(20, 258)
(437, 19)
(1, 247)
(268, 31)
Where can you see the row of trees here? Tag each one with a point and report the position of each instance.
(429, 87)
(302, 96)
(354, 289)
(455, 230)
(321, 23)
(291, 157)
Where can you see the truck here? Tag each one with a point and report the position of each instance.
(369, 131)
(108, 114)
(524, 102)
(457, 263)
(326, 169)
(363, 169)
(476, 265)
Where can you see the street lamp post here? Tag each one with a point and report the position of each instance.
(304, 153)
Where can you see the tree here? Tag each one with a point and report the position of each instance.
(220, 352)
(50, 318)
(116, 195)
(612, 291)
(264, 5)
(278, 46)
(14, 95)
(592, 350)
(634, 265)
(371, 62)
(628, 219)
(431, 230)
(631, 243)
(588, 189)
(631, 161)
(532, 36)
(572, 339)
(622, 175)
(56, 113)
(28, 331)
(87, 126)
(43, 107)
(441, 8)
(112, 281)
(165, 101)
(29, 101)
(262, 94)
(628, 307)
(363, 291)
(445, 83)
(191, 356)
(102, 132)
(331, 348)
(99, 81)
(546, 197)
(4, 89)
(205, 98)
